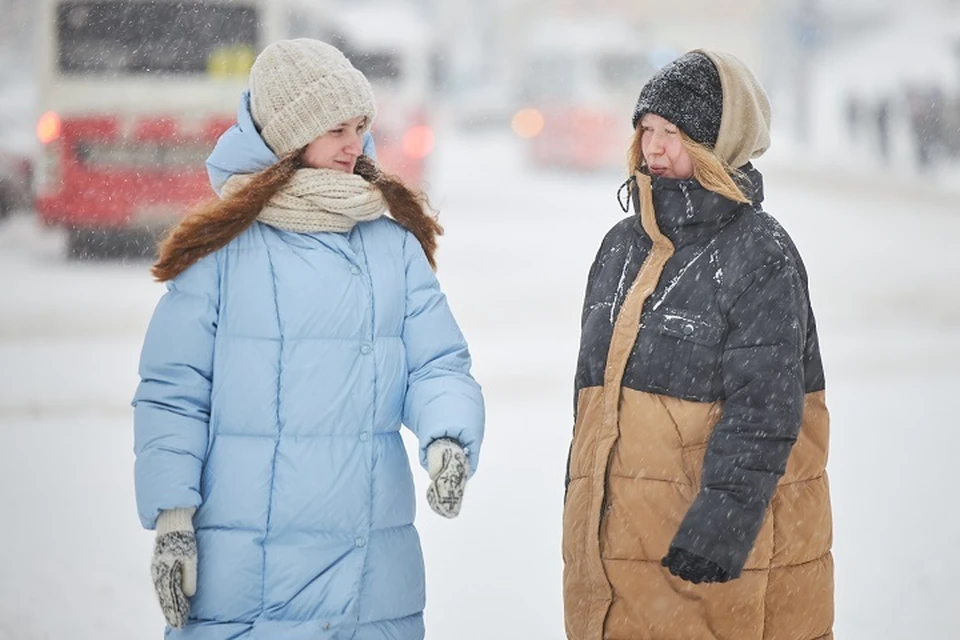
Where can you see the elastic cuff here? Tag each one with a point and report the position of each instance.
(175, 520)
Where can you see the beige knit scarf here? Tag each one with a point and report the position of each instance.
(318, 200)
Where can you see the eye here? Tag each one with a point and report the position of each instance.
(673, 132)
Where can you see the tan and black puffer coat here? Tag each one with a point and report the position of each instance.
(700, 424)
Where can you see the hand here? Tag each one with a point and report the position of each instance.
(448, 468)
(693, 568)
(174, 565)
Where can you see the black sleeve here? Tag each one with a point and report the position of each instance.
(763, 379)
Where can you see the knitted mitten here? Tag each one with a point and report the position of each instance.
(174, 565)
(448, 468)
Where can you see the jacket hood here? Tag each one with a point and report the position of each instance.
(239, 150)
(745, 121)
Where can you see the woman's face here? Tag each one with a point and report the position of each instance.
(338, 148)
(662, 148)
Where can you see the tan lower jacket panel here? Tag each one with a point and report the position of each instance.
(653, 474)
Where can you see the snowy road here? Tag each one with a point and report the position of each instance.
(883, 272)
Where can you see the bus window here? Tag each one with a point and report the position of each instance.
(129, 38)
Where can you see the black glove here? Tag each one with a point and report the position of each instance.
(693, 568)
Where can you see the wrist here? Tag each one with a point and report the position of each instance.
(171, 520)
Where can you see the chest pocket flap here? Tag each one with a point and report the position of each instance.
(685, 327)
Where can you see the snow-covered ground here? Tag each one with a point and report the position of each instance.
(883, 272)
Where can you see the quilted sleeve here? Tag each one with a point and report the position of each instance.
(172, 401)
(442, 400)
(763, 380)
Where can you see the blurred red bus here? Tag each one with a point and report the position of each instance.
(133, 95)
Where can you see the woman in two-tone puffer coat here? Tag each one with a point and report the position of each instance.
(697, 505)
(301, 326)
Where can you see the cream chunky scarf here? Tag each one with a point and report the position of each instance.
(319, 200)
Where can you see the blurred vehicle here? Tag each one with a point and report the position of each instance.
(16, 141)
(15, 183)
(133, 95)
(580, 84)
(391, 45)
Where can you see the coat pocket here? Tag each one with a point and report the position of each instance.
(688, 348)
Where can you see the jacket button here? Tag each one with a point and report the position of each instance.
(364, 436)
(360, 541)
(365, 349)
(355, 270)
(688, 329)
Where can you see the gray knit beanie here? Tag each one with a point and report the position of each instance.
(686, 92)
(300, 89)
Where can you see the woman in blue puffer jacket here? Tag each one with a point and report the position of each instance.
(301, 326)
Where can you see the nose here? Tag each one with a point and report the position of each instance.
(655, 144)
(354, 144)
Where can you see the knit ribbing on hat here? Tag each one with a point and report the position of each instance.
(688, 93)
(302, 88)
(318, 200)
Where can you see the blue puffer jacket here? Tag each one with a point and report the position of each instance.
(275, 375)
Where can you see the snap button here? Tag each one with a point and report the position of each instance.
(326, 626)
(365, 349)
(364, 436)
(688, 329)
(360, 541)
(355, 270)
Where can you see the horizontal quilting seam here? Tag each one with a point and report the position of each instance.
(272, 436)
(647, 479)
(801, 481)
(346, 533)
(237, 336)
(648, 560)
(781, 567)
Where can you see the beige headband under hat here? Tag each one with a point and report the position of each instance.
(302, 88)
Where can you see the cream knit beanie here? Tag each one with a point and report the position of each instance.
(300, 89)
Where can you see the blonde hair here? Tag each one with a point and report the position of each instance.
(708, 168)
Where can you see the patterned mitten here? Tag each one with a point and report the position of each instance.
(448, 468)
(174, 565)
